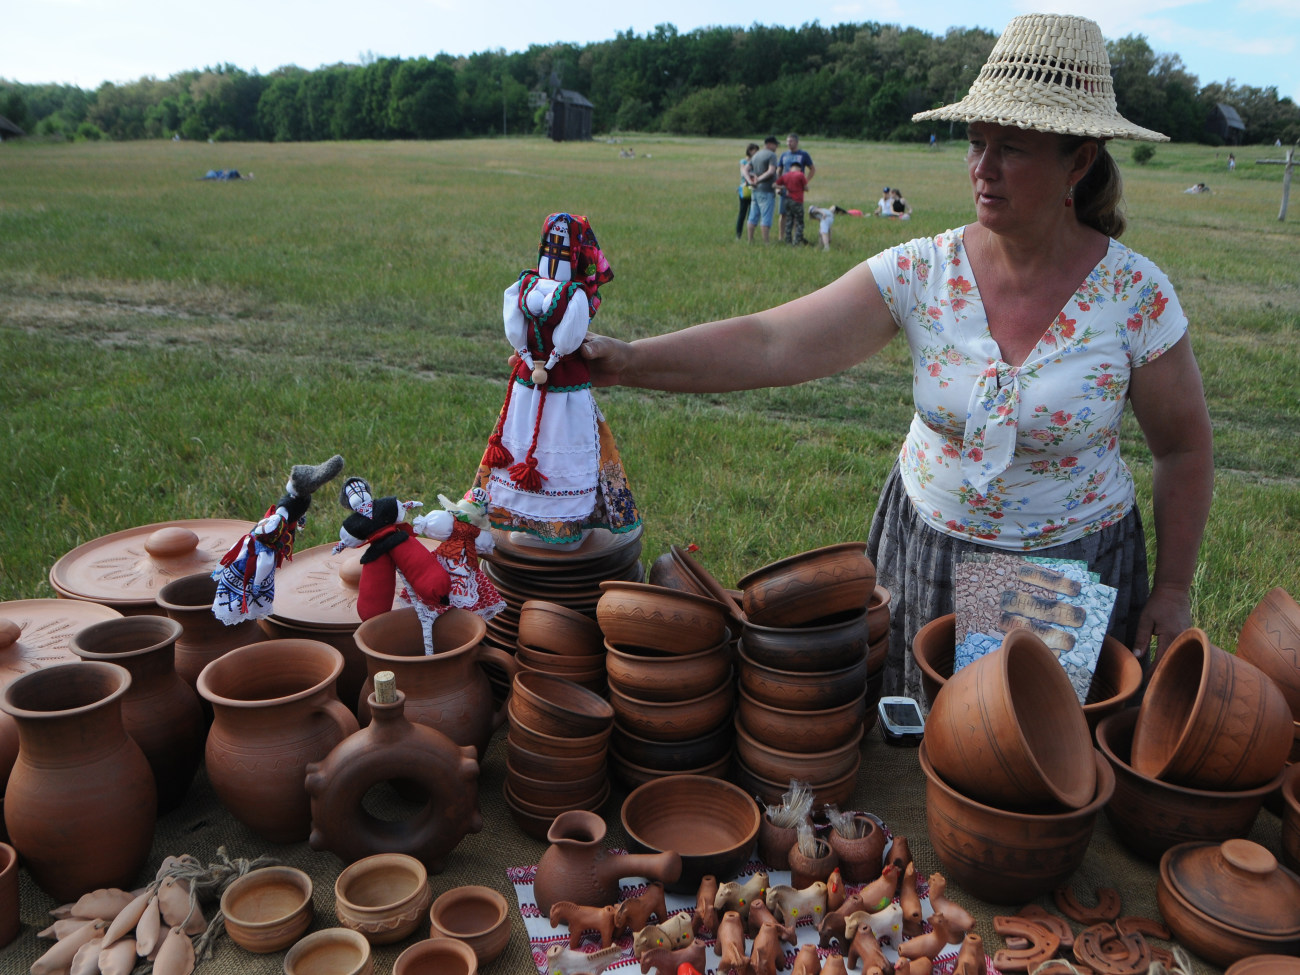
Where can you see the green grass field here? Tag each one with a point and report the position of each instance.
(172, 346)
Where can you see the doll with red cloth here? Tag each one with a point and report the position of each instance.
(551, 469)
(461, 529)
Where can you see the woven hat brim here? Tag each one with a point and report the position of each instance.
(1040, 118)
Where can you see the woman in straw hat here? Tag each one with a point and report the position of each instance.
(1029, 329)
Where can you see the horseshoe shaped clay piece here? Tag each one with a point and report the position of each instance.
(1105, 950)
(1042, 944)
(1107, 908)
(1143, 925)
(1057, 925)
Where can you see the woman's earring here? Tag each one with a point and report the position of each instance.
(1069, 197)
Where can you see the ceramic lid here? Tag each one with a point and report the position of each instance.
(598, 547)
(127, 568)
(1238, 883)
(318, 589)
(1265, 965)
(35, 633)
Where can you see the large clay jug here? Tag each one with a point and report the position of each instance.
(204, 638)
(274, 711)
(81, 805)
(447, 691)
(159, 710)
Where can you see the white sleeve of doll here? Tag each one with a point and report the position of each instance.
(484, 543)
(436, 525)
(572, 329)
(516, 329)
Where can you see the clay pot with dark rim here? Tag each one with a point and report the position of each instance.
(449, 690)
(383, 896)
(812, 585)
(81, 802)
(274, 713)
(188, 600)
(478, 916)
(160, 711)
(826, 644)
(861, 857)
(805, 870)
(1270, 639)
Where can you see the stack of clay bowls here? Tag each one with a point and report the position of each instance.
(805, 664)
(555, 750)
(1013, 784)
(669, 664)
(554, 639)
(1271, 641)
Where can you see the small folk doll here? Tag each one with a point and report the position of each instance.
(551, 470)
(246, 575)
(462, 528)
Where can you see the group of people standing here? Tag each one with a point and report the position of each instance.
(765, 179)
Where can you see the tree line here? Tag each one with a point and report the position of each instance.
(860, 81)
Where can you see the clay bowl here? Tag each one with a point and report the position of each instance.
(268, 909)
(802, 690)
(641, 615)
(541, 766)
(560, 746)
(674, 720)
(690, 753)
(811, 585)
(1210, 720)
(801, 731)
(828, 644)
(558, 629)
(532, 816)
(593, 681)
(1008, 857)
(711, 824)
(780, 765)
(633, 774)
(330, 951)
(555, 706)
(878, 614)
(671, 573)
(838, 790)
(1265, 965)
(1291, 818)
(1229, 901)
(1150, 815)
(1270, 639)
(478, 916)
(1007, 730)
(383, 896)
(557, 663)
(553, 791)
(1114, 684)
(437, 956)
(653, 675)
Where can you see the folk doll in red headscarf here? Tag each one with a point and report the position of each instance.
(551, 469)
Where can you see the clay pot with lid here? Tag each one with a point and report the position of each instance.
(449, 690)
(578, 868)
(812, 585)
(160, 711)
(275, 711)
(81, 803)
(188, 600)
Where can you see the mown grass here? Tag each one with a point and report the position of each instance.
(172, 346)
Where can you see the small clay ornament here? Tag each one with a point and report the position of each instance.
(910, 899)
(58, 959)
(118, 958)
(580, 918)
(176, 955)
(705, 908)
(730, 945)
(766, 955)
(959, 919)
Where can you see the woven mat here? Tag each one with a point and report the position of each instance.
(891, 785)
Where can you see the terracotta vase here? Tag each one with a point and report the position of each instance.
(447, 691)
(160, 711)
(204, 638)
(275, 711)
(444, 775)
(10, 922)
(805, 870)
(861, 858)
(81, 804)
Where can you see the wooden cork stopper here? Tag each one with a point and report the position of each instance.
(385, 687)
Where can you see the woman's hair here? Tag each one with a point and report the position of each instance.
(1099, 196)
(751, 148)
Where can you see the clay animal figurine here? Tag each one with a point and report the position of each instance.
(580, 918)
(706, 911)
(959, 919)
(932, 942)
(910, 900)
(877, 894)
(666, 961)
(900, 853)
(563, 960)
(760, 914)
(461, 529)
(832, 926)
(730, 945)
(790, 906)
(806, 961)
(835, 890)
(885, 924)
(864, 950)
(634, 912)
(834, 965)
(246, 574)
(676, 932)
(971, 959)
(767, 956)
(736, 896)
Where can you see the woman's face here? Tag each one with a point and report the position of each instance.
(1018, 176)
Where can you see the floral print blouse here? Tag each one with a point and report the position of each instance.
(1021, 457)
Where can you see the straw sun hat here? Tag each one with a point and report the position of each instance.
(1049, 73)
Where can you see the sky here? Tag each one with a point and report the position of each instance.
(87, 42)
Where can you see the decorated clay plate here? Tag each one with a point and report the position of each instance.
(318, 589)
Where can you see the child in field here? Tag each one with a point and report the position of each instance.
(825, 217)
(794, 183)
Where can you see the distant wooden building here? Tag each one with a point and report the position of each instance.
(8, 130)
(570, 116)
(1226, 124)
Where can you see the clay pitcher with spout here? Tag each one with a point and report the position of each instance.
(578, 868)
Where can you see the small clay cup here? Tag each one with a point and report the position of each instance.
(437, 956)
(641, 615)
(822, 582)
(268, 909)
(558, 629)
(674, 720)
(555, 706)
(330, 951)
(801, 731)
(805, 870)
(861, 857)
(1291, 818)
(478, 916)
(383, 896)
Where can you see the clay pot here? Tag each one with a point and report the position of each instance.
(669, 572)
(188, 600)
(1151, 815)
(711, 824)
(478, 916)
(586, 672)
(1115, 682)
(547, 806)
(1210, 720)
(774, 843)
(809, 586)
(795, 690)
(1230, 900)
(571, 793)
(81, 803)
(448, 691)
(878, 614)
(1004, 856)
(1007, 730)
(159, 711)
(536, 821)
(801, 731)
(384, 897)
(558, 767)
(555, 706)
(558, 629)
(1291, 818)
(1270, 640)
(838, 790)
(633, 774)
(828, 644)
(641, 615)
(780, 765)
(673, 720)
(1265, 965)
(652, 675)
(578, 868)
(443, 774)
(805, 870)
(10, 922)
(861, 857)
(268, 909)
(437, 956)
(556, 745)
(330, 951)
(274, 713)
(656, 753)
